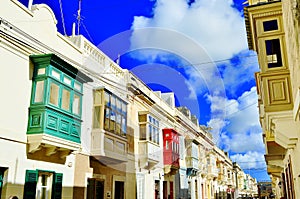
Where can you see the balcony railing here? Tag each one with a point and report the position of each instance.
(212, 171)
(149, 153)
(192, 162)
(108, 147)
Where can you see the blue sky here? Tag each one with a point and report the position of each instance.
(194, 48)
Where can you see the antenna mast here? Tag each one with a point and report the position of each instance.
(78, 16)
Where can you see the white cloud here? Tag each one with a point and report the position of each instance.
(213, 25)
(199, 33)
(250, 160)
(235, 122)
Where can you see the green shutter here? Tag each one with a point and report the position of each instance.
(57, 186)
(30, 184)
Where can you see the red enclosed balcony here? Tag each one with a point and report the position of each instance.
(171, 151)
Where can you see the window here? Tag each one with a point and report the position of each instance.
(114, 109)
(42, 185)
(153, 129)
(39, 92)
(273, 52)
(149, 128)
(54, 93)
(270, 25)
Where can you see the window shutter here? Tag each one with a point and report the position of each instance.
(30, 184)
(57, 186)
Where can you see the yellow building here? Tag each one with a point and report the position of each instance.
(272, 28)
(69, 131)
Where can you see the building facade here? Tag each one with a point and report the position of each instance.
(74, 124)
(273, 32)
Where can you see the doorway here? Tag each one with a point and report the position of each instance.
(119, 190)
(165, 190)
(95, 189)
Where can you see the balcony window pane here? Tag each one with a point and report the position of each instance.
(118, 103)
(97, 111)
(273, 52)
(113, 102)
(112, 121)
(118, 124)
(41, 71)
(270, 25)
(150, 133)
(106, 118)
(54, 93)
(143, 132)
(55, 74)
(150, 119)
(76, 104)
(65, 103)
(124, 124)
(106, 99)
(124, 108)
(97, 97)
(67, 80)
(77, 86)
(39, 92)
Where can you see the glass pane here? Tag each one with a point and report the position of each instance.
(124, 124)
(270, 25)
(97, 97)
(124, 108)
(41, 71)
(112, 121)
(96, 123)
(67, 80)
(118, 124)
(39, 92)
(150, 132)
(76, 104)
(118, 102)
(157, 135)
(106, 99)
(113, 102)
(77, 86)
(273, 53)
(150, 119)
(54, 93)
(55, 74)
(65, 103)
(142, 131)
(106, 118)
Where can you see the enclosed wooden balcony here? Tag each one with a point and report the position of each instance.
(171, 151)
(54, 123)
(192, 159)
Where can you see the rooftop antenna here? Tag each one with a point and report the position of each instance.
(30, 2)
(78, 16)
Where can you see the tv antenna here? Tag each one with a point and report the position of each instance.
(79, 16)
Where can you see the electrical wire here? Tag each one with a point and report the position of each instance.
(62, 17)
